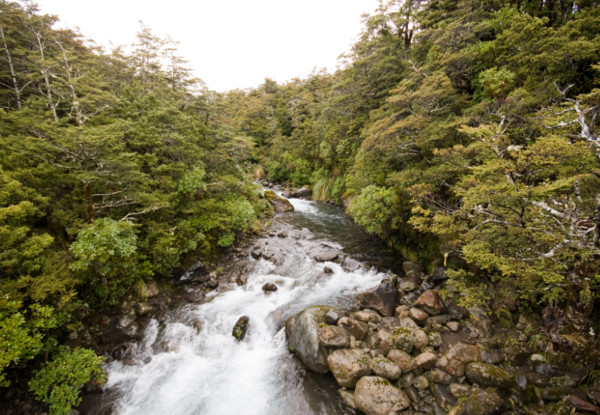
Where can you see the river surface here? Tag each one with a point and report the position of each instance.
(177, 370)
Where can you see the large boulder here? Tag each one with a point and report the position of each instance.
(327, 255)
(303, 339)
(240, 329)
(480, 402)
(382, 298)
(375, 395)
(431, 302)
(349, 365)
(279, 203)
(455, 359)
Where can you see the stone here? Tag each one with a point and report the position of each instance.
(385, 368)
(486, 374)
(328, 255)
(269, 287)
(420, 339)
(453, 326)
(455, 359)
(408, 323)
(479, 323)
(480, 402)
(333, 316)
(302, 335)
(459, 390)
(327, 270)
(426, 360)
(442, 397)
(368, 316)
(439, 376)
(383, 340)
(431, 302)
(305, 192)
(282, 234)
(583, 405)
(334, 337)
(408, 284)
(420, 382)
(435, 339)
(347, 397)
(197, 324)
(403, 339)
(390, 323)
(279, 204)
(350, 265)
(402, 311)
(240, 329)
(492, 356)
(241, 279)
(348, 366)
(375, 395)
(418, 315)
(411, 266)
(404, 360)
(356, 328)
(556, 393)
(382, 298)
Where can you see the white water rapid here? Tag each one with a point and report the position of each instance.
(209, 371)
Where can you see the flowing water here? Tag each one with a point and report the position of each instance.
(177, 370)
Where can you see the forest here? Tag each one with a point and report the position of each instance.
(462, 133)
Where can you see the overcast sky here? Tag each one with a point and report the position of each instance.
(229, 43)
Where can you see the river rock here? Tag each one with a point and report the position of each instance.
(420, 382)
(382, 298)
(347, 397)
(480, 402)
(479, 323)
(421, 339)
(348, 365)
(455, 359)
(402, 359)
(486, 374)
(279, 203)
(328, 255)
(350, 265)
(305, 192)
(404, 339)
(334, 337)
(240, 329)
(426, 360)
(385, 368)
(439, 376)
(583, 405)
(368, 316)
(375, 395)
(411, 266)
(302, 334)
(459, 390)
(431, 302)
(333, 316)
(241, 279)
(356, 328)
(418, 315)
(408, 284)
(269, 287)
(443, 398)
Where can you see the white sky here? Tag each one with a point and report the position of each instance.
(229, 43)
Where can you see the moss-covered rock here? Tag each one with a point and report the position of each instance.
(279, 203)
(486, 374)
(302, 334)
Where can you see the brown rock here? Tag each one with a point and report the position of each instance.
(356, 328)
(385, 368)
(583, 405)
(368, 316)
(455, 359)
(382, 298)
(426, 360)
(375, 395)
(431, 302)
(269, 287)
(418, 315)
(404, 360)
(348, 366)
(334, 337)
(480, 402)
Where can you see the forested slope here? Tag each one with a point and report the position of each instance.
(113, 168)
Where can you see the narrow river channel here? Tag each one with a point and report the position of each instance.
(177, 369)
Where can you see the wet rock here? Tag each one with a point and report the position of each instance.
(453, 326)
(420, 382)
(383, 340)
(403, 339)
(479, 323)
(282, 234)
(328, 270)
(302, 335)
(240, 329)
(459, 390)
(426, 360)
(408, 323)
(350, 265)
(390, 323)
(411, 266)
(385, 368)
(583, 405)
(241, 279)
(256, 253)
(492, 356)
(402, 359)
(435, 339)
(347, 397)
(408, 284)
(480, 402)
(486, 374)
(279, 204)
(334, 337)
(269, 287)
(305, 192)
(420, 339)
(328, 255)
(197, 324)
(556, 393)
(418, 315)
(333, 316)
(356, 328)
(442, 397)
(455, 359)
(348, 366)
(431, 302)
(375, 395)
(141, 309)
(382, 298)
(368, 316)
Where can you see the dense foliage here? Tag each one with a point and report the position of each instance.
(458, 131)
(113, 169)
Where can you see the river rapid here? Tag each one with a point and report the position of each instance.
(178, 368)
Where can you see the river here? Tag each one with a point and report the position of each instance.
(177, 370)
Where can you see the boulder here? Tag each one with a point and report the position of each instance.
(356, 328)
(431, 302)
(382, 298)
(375, 395)
(240, 329)
(486, 374)
(334, 337)
(425, 360)
(333, 316)
(418, 315)
(348, 366)
(305, 192)
(279, 203)
(443, 398)
(385, 368)
(408, 284)
(269, 287)
(328, 255)
(302, 334)
(350, 265)
(368, 316)
(402, 359)
(480, 402)
(455, 359)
